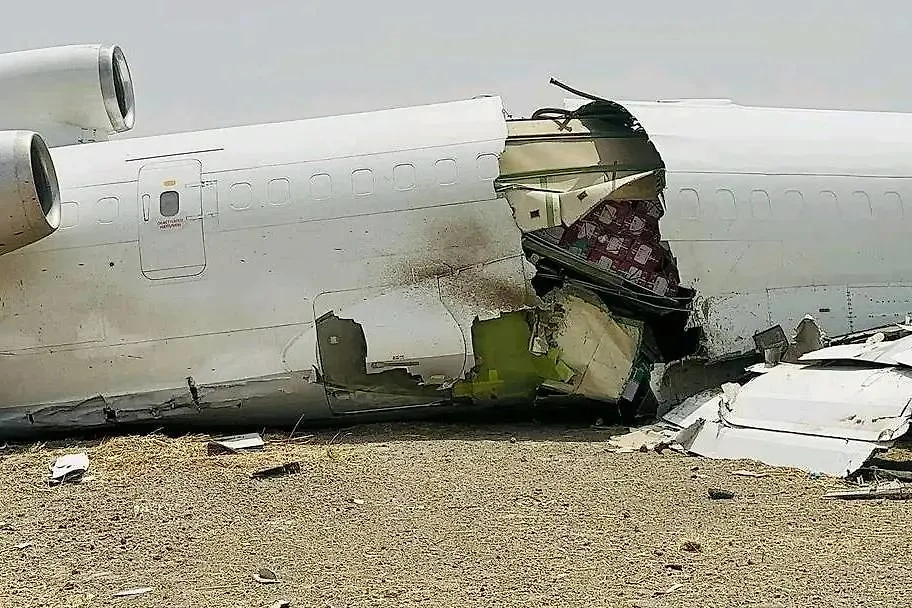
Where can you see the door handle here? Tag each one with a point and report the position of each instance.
(146, 204)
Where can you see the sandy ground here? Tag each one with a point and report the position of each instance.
(437, 515)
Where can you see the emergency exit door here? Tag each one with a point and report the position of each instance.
(171, 240)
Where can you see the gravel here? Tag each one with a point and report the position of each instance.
(436, 515)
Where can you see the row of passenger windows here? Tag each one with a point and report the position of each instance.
(322, 186)
(107, 209)
(278, 190)
(105, 212)
(787, 204)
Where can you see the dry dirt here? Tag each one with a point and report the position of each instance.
(436, 515)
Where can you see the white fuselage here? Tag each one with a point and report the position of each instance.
(141, 302)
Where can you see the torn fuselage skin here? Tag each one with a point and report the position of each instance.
(584, 188)
(558, 287)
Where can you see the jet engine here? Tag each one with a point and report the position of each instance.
(29, 193)
(70, 94)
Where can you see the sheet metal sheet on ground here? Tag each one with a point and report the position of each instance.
(821, 419)
(826, 455)
(849, 402)
(892, 352)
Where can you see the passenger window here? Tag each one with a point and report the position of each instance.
(890, 206)
(445, 170)
(240, 196)
(788, 206)
(725, 204)
(320, 186)
(861, 205)
(689, 203)
(488, 167)
(760, 205)
(168, 203)
(106, 210)
(829, 203)
(362, 182)
(404, 177)
(278, 191)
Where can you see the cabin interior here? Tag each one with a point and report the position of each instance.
(586, 187)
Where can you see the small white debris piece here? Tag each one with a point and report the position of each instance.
(358, 501)
(69, 468)
(235, 443)
(25, 545)
(762, 368)
(671, 589)
(642, 440)
(133, 592)
(280, 604)
(266, 576)
(749, 474)
(730, 391)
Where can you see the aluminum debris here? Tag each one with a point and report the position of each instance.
(133, 592)
(815, 416)
(645, 439)
(234, 444)
(753, 474)
(891, 490)
(874, 350)
(71, 467)
(290, 468)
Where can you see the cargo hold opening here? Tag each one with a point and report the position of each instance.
(586, 189)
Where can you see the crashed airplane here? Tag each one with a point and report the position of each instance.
(416, 259)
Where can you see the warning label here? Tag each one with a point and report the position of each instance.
(170, 224)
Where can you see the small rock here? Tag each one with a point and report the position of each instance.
(280, 604)
(720, 494)
(675, 567)
(358, 501)
(512, 439)
(692, 546)
(266, 576)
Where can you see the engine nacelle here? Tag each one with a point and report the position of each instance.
(67, 93)
(29, 193)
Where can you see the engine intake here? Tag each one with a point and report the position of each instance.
(29, 193)
(63, 90)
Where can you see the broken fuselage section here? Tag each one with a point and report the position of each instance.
(475, 261)
(597, 301)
